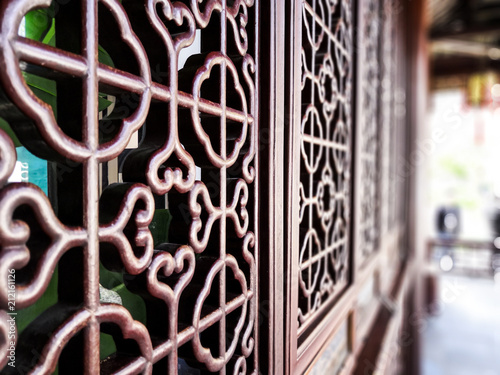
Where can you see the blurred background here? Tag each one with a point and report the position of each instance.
(459, 151)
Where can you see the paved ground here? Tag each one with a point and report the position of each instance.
(464, 338)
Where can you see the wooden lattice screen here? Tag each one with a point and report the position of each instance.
(192, 187)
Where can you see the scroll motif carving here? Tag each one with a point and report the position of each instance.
(196, 156)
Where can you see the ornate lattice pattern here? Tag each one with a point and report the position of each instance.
(369, 132)
(199, 289)
(387, 125)
(392, 114)
(325, 143)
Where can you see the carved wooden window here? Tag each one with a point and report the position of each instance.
(195, 128)
(368, 223)
(325, 145)
(387, 130)
(343, 245)
(168, 134)
(321, 185)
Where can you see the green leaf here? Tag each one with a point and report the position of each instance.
(45, 89)
(107, 346)
(43, 84)
(40, 26)
(38, 23)
(104, 57)
(48, 299)
(50, 37)
(4, 125)
(132, 302)
(103, 102)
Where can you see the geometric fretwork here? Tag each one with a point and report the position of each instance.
(368, 228)
(196, 156)
(387, 130)
(326, 154)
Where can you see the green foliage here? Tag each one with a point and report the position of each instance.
(132, 302)
(104, 57)
(107, 346)
(455, 168)
(39, 23)
(4, 125)
(45, 89)
(30, 313)
(40, 26)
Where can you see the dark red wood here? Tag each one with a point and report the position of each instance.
(203, 284)
(274, 147)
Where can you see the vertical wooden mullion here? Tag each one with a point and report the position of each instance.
(357, 138)
(271, 222)
(293, 149)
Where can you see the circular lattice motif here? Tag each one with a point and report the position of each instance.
(202, 353)
(326, 198)
(328, 88)
(312, 132)
(222, 157)
(338, 253)
(310, 247)
(87, 67)
(340, 138)
(312, 22)
(343, 48)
